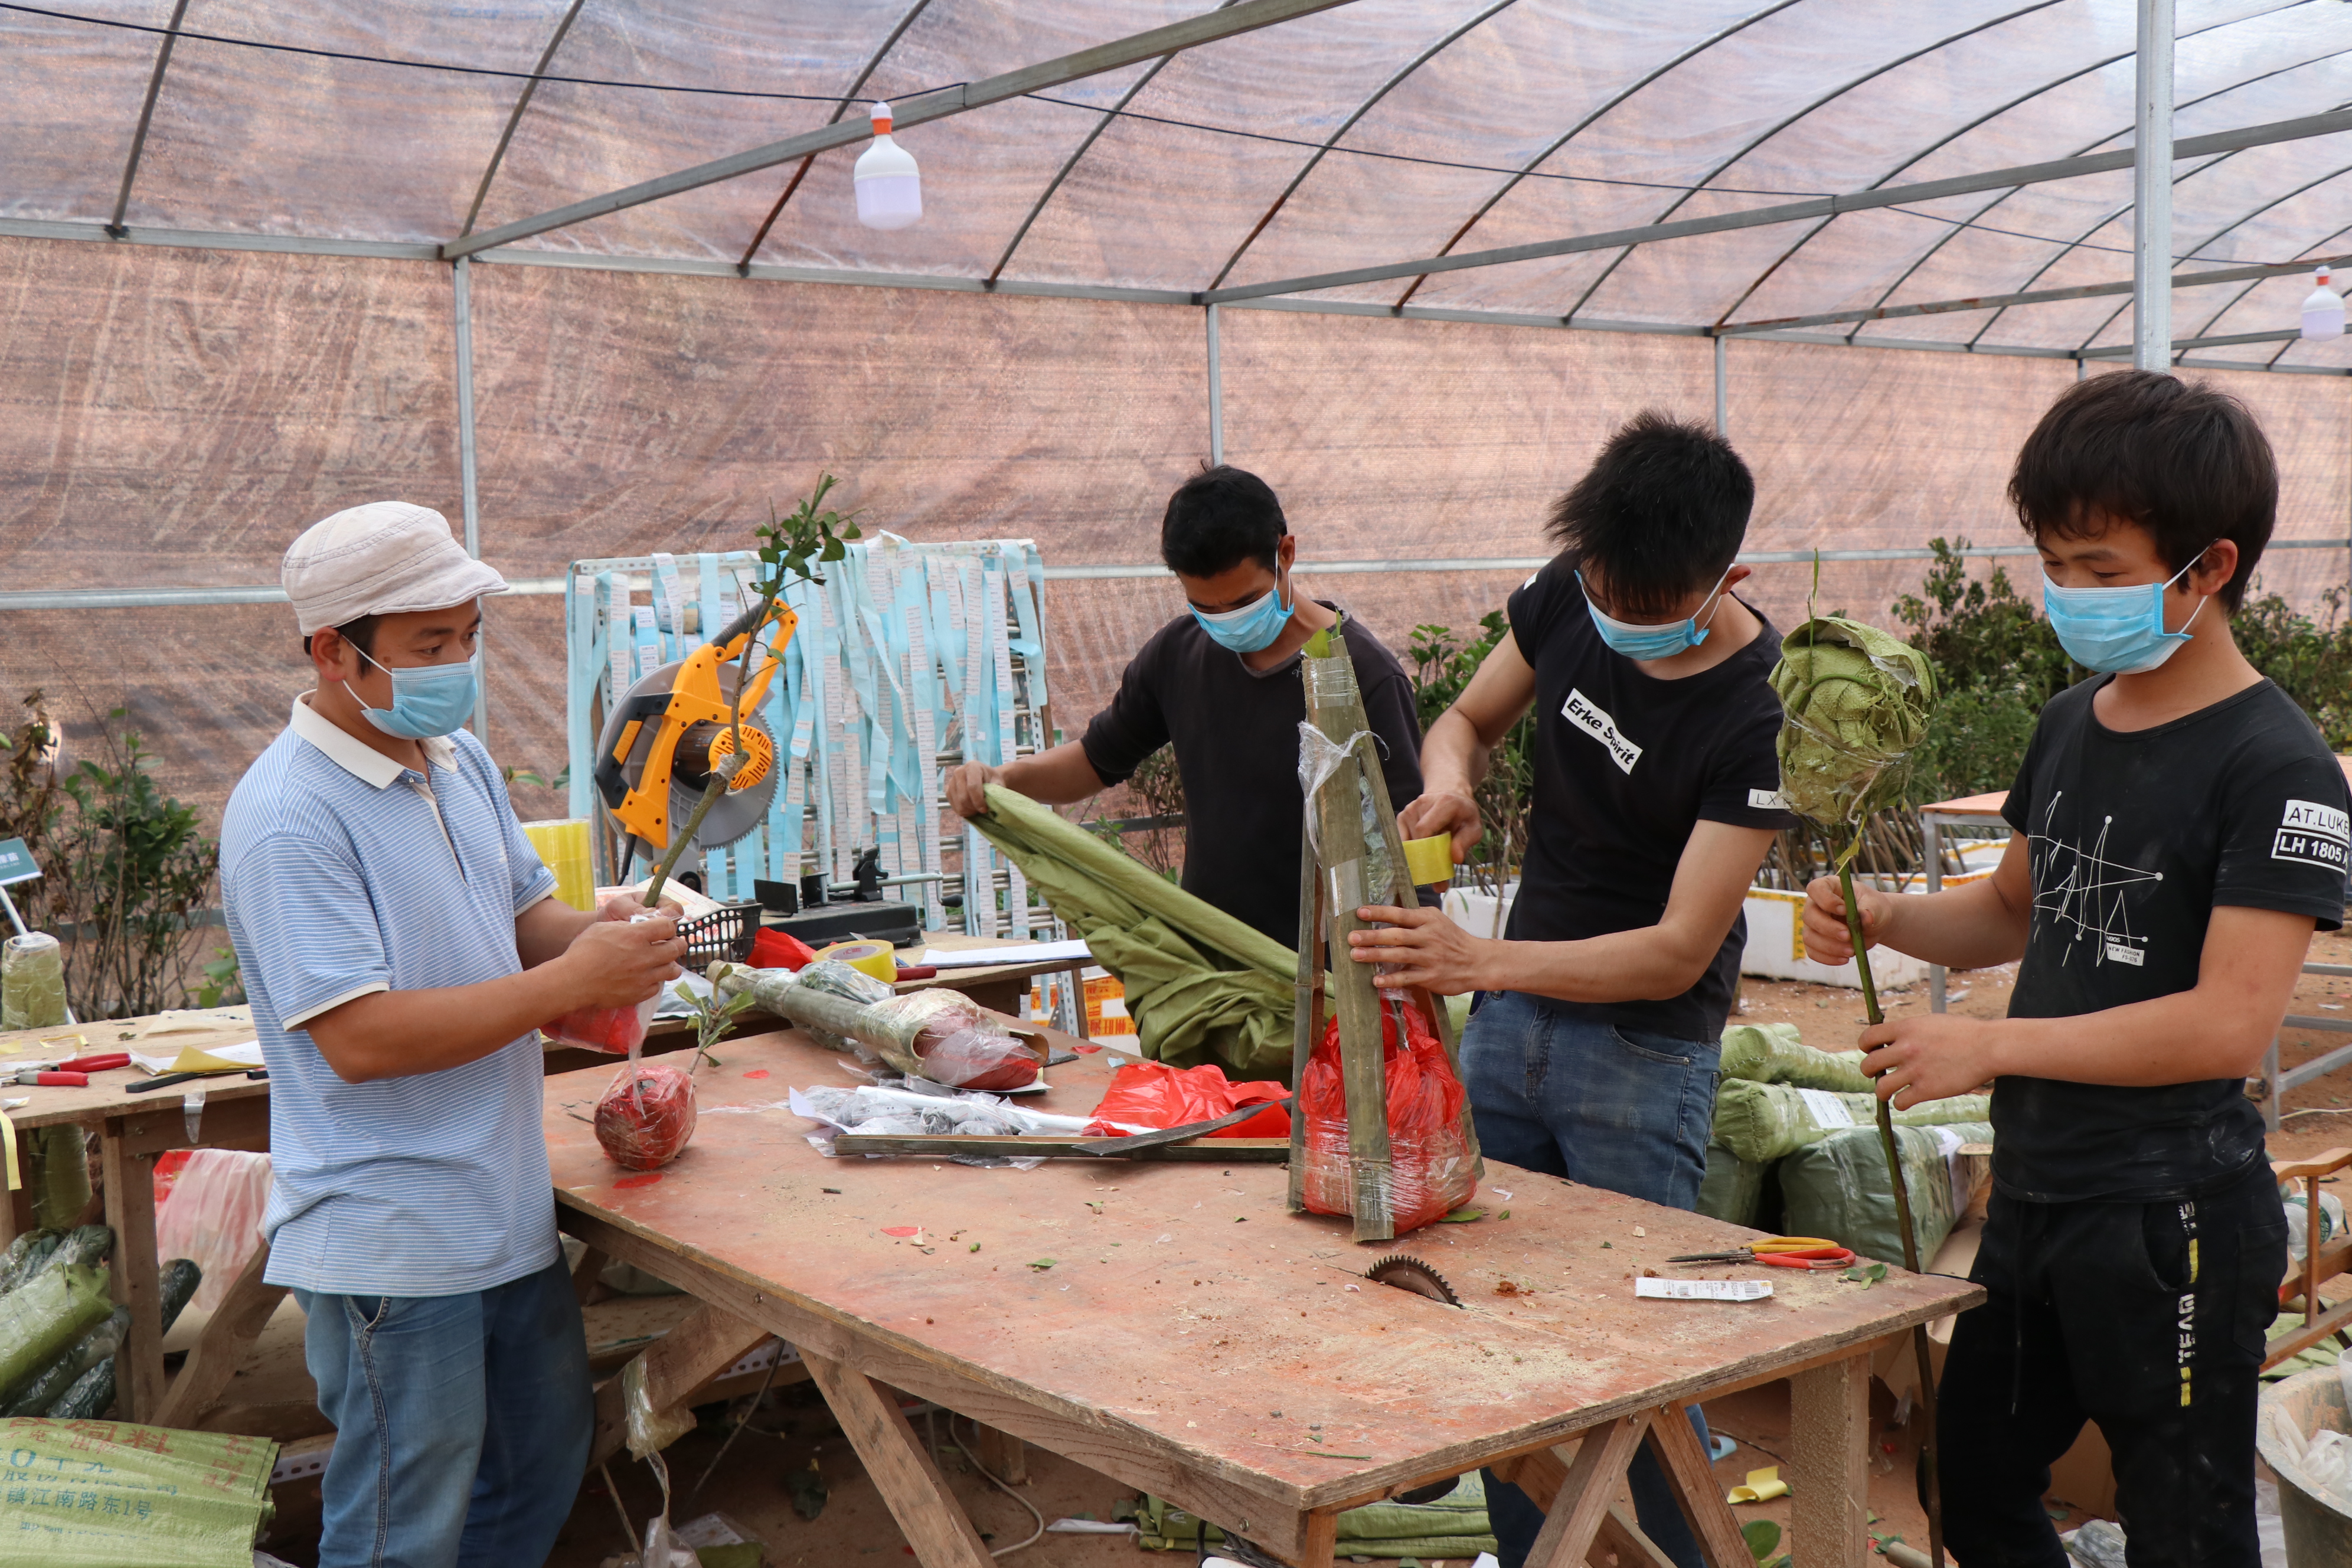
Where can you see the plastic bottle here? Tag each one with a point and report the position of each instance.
(2323, 309)
(890, 188)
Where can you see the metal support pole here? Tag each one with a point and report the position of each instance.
(1216, 397)
(1722, 389)
(2152, 193)
(464, 309)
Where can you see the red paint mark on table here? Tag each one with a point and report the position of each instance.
(902, 1230)
(1088, 1049)
(757, 1072)
(643, 1179)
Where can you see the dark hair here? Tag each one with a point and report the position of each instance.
(1218, 519)
(1660, 512)
(359, 633)
(2185, 461)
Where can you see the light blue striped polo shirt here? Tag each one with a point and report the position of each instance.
(343, 873)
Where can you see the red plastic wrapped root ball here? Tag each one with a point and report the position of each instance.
(1430, 1164)
(646, 1116)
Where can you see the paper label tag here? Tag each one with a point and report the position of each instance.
(1586, 715)
(1655, 1289)
(1827, 1110)
(2124, 952)
(1767, 800)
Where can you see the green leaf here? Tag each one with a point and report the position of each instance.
(1464, 1217)
(1762, 1536)
(1041, 1264)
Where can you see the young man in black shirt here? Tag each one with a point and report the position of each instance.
(1591, 1051)
(2179, 828)
(1222, 683)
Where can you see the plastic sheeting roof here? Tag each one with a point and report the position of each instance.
(1372, 132)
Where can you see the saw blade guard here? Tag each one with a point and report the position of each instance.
(648, 784)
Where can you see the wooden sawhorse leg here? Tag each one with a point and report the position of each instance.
(1578, 1485)
(130, 1211)
(935, 1524)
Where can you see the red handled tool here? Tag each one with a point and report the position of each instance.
(1781, 1252)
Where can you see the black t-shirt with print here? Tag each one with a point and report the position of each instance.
(1625, 766)
(2135, 837)
(1235, 731)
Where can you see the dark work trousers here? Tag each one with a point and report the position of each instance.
(2146, 1318)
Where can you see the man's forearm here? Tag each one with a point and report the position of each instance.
(1971, 927)
(1648, 964)
(2190, 1036)
(1059, 775)
(1453, 758)
(396, 1033)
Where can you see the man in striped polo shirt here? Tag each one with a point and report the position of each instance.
(400, 947)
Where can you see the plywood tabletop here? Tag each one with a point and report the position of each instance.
(1181, 1308)
(106, 1095)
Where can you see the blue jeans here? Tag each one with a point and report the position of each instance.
(462, 1422)
(1621, 1110)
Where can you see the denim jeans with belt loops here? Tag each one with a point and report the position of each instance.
(462, 1422)
(1619, 1109)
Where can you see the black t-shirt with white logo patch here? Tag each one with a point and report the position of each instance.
(2135, 836)
(1625, 766)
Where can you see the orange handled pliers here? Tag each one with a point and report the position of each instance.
(1781, 1252)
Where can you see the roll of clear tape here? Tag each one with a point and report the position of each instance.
(32, 982)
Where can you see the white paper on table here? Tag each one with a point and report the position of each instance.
(1028, 952)
(1656, 1289)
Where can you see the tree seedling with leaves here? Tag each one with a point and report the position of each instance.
(811, 532)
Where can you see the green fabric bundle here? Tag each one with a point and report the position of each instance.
(1455, 1526)
(1200, 985)
(1856, 703)
(1772, 1053)
(1838, 1188)
(1764, 1122)
(110, 1495)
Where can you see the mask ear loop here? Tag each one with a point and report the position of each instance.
(1715, 602)
(2202, 601)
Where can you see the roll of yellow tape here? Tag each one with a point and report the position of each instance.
(1430, 860)
(874, 958)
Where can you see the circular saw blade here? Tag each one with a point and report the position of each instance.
(743, 808)
(1409, 1273)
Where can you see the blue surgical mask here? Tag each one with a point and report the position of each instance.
(2116, 631)
(1640, 641)
(428, 701)
(1253, 626)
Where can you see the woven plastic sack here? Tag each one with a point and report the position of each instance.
(1153, 1094)
(1733, 1188)
(1772, 1053)
(56, 1172)
(214, 1217)
(41, 1318)
(647, 1115)
(32, 982)
(143, 1497)
(1432, 1170)
(1764, 1121)
(1838, 1188)
(1855, 702)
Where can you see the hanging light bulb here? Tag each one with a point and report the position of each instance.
(890, 188)
(2322, 309)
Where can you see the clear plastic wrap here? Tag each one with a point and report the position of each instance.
(647, 1115)
(937, 1034)
(618, 1031)
(1432, 1170)
(920, 1107)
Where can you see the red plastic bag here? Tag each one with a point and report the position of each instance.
(1153, 1094)
(645, 1118)
(167, 1172)
(1432, 1169)
(772, 949)
(617, 1030)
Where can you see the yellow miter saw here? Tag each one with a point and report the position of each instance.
(666, 734)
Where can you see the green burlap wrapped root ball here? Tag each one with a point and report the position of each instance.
(1856, 703)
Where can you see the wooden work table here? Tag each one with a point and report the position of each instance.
(1172, 1326)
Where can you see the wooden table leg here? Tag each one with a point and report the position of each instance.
(1690, 1476)
(1829, 1448)
(934, 1523)
(1320, 1544)
(130, 1211)
(1004, 1455)
(673, 1369)
(1621, 1534)
(221, 1348)
(587, 1276)
(1583, 1500)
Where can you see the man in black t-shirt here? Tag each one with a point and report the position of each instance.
(1591, 1051)
(2180, 829)
(1223, 684)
